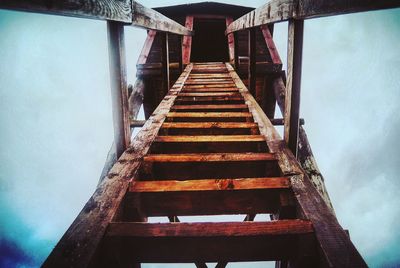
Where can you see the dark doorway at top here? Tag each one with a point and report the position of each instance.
(209, 42)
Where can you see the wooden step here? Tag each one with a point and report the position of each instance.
(230, 157)
(211, 242)
(208, 128)
(209, 94)
(209, 116)
(208, 147)
(210, 185)
(205, 165)
(210, 108)
(207, 197)
(224, 85)
(208, 100)
(225, 89)
(211, 138)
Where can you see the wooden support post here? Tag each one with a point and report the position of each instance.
(165, 61)
(252, 60)
(236, 55)
(119, 90)
(231, 42)
(180, 55)
(292, 101)
(187, 41)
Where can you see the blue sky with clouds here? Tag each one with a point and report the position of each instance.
(56, 123)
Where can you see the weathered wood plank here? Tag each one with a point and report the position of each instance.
(209, 229)
(276, 59)
(136, 99)
(282, 10)
(210, 107)
(210, 185)
(211, 138)
(292, 100)
(150, 19)
(204, 157)
(119, 87)
(113, 10)
(206, 202)
(79, 245)
(231, 42)
(224, 85)
(209, 114)
(221, 89)
(252, 50)
(187, 41)
(203, 242)
(280, 121)
(144, 54)
(210, 125)
(165, 62)
(208, 94)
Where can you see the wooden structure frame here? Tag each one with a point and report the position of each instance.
(98, 228)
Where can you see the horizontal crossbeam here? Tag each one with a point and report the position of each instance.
(125, 11)
(283, 10)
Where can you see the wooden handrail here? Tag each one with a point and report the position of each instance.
(283, 10)
(125, 11)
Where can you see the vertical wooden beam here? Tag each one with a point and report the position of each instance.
(165, 61)
(231, 42)
(252, 60)
(187, 41)
(147, 46)
(119, 89)
(180, 55)
(236, 45)
(292, 101)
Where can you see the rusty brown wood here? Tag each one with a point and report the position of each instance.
(80, 244)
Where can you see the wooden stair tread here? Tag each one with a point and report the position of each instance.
(208, 94)
(210, 185)
(209, 114)
(210, 229)
(209, 124)
(211, 138)
(209, 106)
(206, 157)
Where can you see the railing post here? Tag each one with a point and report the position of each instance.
(292, 100)
(252, 60)
(119, 89)
(165, 61)
(180, 55)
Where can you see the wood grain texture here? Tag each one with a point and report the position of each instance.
(114, 10)
(211, 242)
(210, 185)
(119, 87)
(78, 246)
(150, 19)
(293, 85)
(211, 138)
(231, 42)
(276, 59)
(282, 10)
(209, 229)
(203, 157)
(144, 54)
(187, 41)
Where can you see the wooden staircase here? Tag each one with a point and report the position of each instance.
(209, 155)
(208, 149)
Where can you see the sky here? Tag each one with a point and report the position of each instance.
(56, 124)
